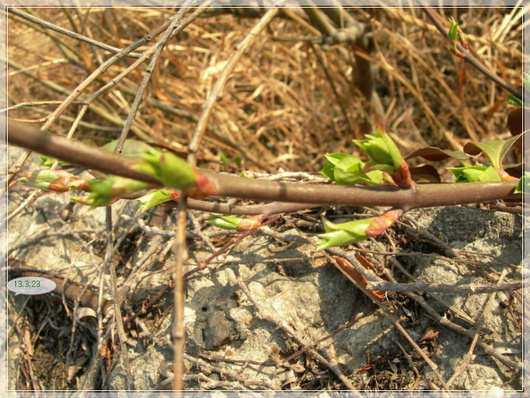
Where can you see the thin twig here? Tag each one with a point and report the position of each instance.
(265, 209)
(197, 229)
(30, 199)
(178, 330)
(466, 54)
(459, 313)
(440, 287)
(333, 86)
(231, 242)
(98, 72)
(28, 104)
(114, 291)
(333, 334)
(490, 350)
(444, 321)
(394, 319)
(172, 29)
(17, 167)
(69, 53)
(411, 363)
(48, 25)
(478, 328)
(320, 20)
(227, 373)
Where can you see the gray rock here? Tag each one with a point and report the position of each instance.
(297, 288)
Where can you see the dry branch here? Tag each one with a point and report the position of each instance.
(426, 195)
(439, 287)
(217, 90)
(48, 25)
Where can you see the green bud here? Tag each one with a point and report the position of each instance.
(236, 223)
(53, 180)
(168, 168)
(88, 201)
(109, 190)
(349, 170)
(176, 173)
(224, 222)
(157, 197)
(468, 173)
(453, 30)
(382, 151)
(343, 234)
(40, 179)
(48, 161)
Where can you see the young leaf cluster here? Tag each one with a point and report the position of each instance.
(386, 165)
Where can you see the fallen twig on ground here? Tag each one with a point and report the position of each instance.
(444, 288)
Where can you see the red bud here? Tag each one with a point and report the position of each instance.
(203, 187)
(505, 176)
(382, 223)
(402, 176)
(173, 195)
(250, 223)
(62, 184)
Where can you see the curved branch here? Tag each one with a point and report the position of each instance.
(426, 195)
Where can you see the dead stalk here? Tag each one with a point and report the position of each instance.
(438, 287)
(178, 332)
(217, 90)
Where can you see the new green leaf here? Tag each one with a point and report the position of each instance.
(166, 167)
(384, 154)
(495, 150)
(108, 190)
(343, 234)
(524, 184)
(156, 197)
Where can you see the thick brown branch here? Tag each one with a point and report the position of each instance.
(426, 195)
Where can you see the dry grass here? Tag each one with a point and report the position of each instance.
(278, 109)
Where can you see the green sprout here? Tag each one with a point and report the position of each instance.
(236, 223)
